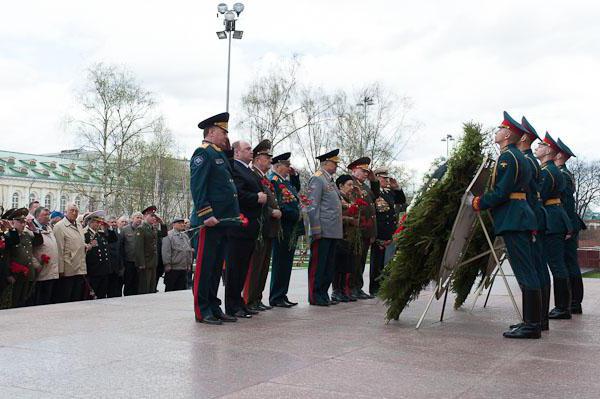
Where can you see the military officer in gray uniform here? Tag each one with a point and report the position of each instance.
(325, 220)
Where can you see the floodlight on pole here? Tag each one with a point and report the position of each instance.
(229, 19)
(448, 139)
(364, 102)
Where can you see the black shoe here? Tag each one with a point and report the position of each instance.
(362, 295)
(226, 318)
(336, 296)
(576, 308)
(351, 298)
(265, 307)
(320, 304)
(241, 314)
(562, 300)
(210, 320)
(254, 308)
(251, 311)
(333, 301)
(531, 331)
(286, 300)
(343, 298)
(559, 314)
(281, 304)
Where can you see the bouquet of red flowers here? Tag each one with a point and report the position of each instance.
(17, 268)
(44, 259)
(401, 226)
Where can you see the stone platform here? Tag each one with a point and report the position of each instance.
(150, 347)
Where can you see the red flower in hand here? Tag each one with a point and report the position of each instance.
(353, 210)
(401, 224)
(281, 186)
(244, 220)
(361, 202)
(44, 259)
(2, 244)
(16, 268)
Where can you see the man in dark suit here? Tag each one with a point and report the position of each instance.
(241, 241)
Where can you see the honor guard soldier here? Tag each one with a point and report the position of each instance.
(514, 220)
(558, 226)
(535, 202)
(571, 244)
(97, 257)
(270, 229)
(215, 197)
(325, 219)
(390, 195)
(286, 183)
(20, 255)
(368, 222)
(146, 250)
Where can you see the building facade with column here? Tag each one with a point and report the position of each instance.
(53, 180)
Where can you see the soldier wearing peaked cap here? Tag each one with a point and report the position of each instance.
(325, 220)
(558, 226)
(390, 195)
(20, 255)
(215, 197)
(97, 258)
(286, 183)
(571, 244)
(270, 228)
(146, 241)
(368, 220)
(535, 202)
(514, 220)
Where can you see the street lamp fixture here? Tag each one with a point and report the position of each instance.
(364, 102)
(229, 19)
(448, 139)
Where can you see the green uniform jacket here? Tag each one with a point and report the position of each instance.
(533, 194)
(270, 225)
(212, 186)
(553, 183)
(286, 192)
(23, 251)
(511, 175)
(146, 245)
(368, 221)
(568, 199)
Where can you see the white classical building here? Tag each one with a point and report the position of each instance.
(54, 180)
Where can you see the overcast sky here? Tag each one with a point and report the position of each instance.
(457, 60)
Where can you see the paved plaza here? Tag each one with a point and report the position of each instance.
(150, 347)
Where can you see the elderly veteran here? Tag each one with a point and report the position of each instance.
(98, 236)
(177, 256)
(45, 259)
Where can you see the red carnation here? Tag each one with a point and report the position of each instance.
(281, 186)
(361, 202)
(2, 244)
(45, 259)
(244, 220)
(16, 268)
(353, 210)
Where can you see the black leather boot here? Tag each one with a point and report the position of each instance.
(577, 294)
(562, 300)
(531, 326)
(545, 306)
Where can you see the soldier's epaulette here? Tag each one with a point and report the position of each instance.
(275, 178)
(318, 173)
(205, 145)
(216, 147)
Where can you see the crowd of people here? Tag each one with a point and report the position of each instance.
(249, 214)
(50, 257)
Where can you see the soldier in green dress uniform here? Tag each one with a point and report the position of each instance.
(146, 250)
(558, 226)
(215, 197)
(535, 202)
(20, 255)
(286, 183)
(571, 244)
(514, 220)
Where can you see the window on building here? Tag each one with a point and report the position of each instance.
(15, 200)
(78, 202)
(32, 197)
(48, 201)
(63, 203)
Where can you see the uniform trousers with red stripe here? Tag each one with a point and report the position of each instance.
(212, 243)
(321, 269)
(239, 254)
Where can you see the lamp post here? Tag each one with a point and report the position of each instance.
(229, 18)
(364, 102)
(448, 139)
